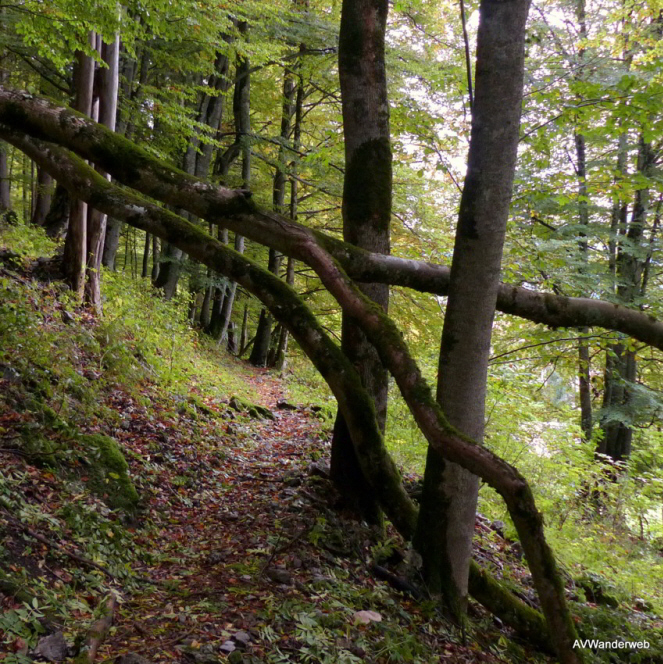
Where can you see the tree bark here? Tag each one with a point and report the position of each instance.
(170, 265)
(57, 218)
(282, 348)
(43, 196)
(75, 247)
(263, 339)
(146, 256)
(366, 216)
(448, 504)
(5, 183)
(155, 258)
(242, 118)
(96, 231)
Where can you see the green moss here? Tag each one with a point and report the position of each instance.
(109, 472)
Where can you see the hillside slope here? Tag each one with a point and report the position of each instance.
(178, 497)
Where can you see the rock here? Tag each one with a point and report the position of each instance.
(643, 605)
(131, 658)
(319, 579)
(67, 317)
(279, 576)
(284, 405)
(366, 617)
(52, 647)
(216, 557)
(319, 469)
(498, 526)
(236, 657)
(227, 647)
(241, 638)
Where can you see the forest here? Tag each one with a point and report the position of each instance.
(329, 331)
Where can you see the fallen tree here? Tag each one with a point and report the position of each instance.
(353, 400)
(233, 209)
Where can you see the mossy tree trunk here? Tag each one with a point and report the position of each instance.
(28, 114)
(366, 216)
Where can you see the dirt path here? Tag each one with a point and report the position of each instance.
(224, 518)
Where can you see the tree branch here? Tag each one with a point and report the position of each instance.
(233, 209)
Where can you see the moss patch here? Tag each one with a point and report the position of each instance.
(108, 472)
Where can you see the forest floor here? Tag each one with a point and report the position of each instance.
(220, 538)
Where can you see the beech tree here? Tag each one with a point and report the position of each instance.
(59, 140)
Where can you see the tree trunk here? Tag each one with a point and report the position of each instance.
(5, 190)
(112, 242)
(76, 242)
(43, 196)
(621, 365)
(155, 258)
(229, 299)
(170, 265)
(260, 353)
(242, 118)
(366, 216)
(5, 183)
(584, 367)
(146, 256)
(448, 506)
(57, 218)
(96, 232)
(216, 322)
(244, 334)
(282, 348)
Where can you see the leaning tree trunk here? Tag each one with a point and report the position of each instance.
(448, 505)
(366, 216)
